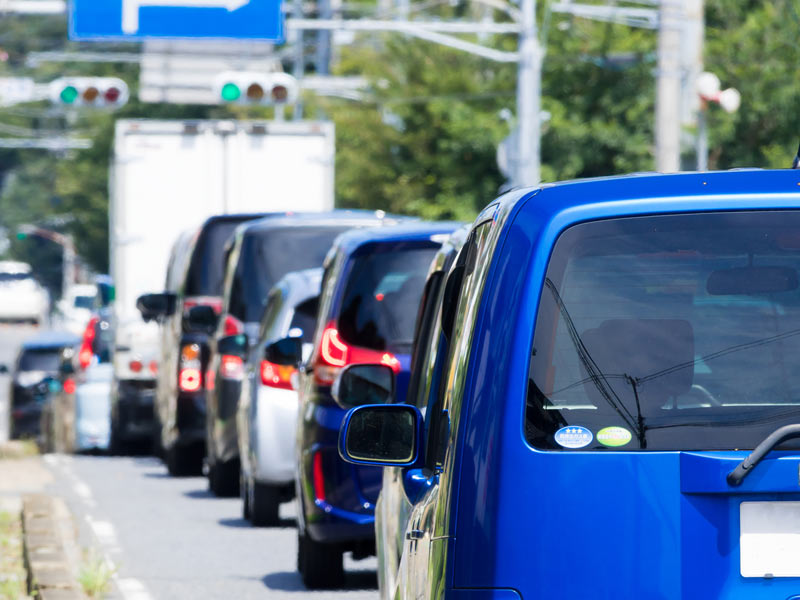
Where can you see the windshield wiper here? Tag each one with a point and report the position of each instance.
(775, 438)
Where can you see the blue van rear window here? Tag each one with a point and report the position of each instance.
(668, 332)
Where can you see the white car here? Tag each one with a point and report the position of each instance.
(22, 298)
(267, 411)
(75, 308)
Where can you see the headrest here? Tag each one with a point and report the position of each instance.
(658, 353)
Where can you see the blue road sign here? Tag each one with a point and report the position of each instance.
(175, 19)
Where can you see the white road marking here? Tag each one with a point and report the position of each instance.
(133, 589)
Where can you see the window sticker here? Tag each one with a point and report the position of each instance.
(613, 437)
(573, 437)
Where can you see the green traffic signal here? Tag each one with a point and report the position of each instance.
(230, 92)
(69, 94)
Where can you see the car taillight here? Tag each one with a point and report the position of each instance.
(85, 356)
(85, 353)
(135, 365)
(70, 386)
(231, 367)
(214, 302)
(232, 326)
(153, 367)
(277, 376)
(335, 354)
(189, 375)
(319, 478)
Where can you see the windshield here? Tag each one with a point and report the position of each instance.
(267, 256)
(384, 288)
(40, 360)
(668, 333)
(207, 269)
(84, 302)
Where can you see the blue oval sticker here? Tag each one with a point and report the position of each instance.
(573, 436)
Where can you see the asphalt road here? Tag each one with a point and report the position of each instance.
(170, 539)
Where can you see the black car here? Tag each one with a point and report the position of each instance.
(194, 281)
(261, 252)
(37, 364)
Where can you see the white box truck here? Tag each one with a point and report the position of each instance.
(168, 177)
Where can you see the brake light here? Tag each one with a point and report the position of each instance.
(319, 478)
(277, 376)
(335, 354)
(70, 386)
(189, 380)
(85, 356)
(154, 367)
(85, 353)
(231, 367)
(189, 376)
(89, 332)
(233, 326)
(214, 302)
(135, 365)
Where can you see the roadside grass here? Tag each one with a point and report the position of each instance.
(95, 576)
(18, 449)
(13, 584)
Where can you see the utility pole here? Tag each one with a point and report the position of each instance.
(668, 86)
(529, 81)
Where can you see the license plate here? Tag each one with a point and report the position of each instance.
(769, 539)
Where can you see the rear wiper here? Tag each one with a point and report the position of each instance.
(775, 438)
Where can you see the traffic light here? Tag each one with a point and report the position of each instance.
(246, 87)
(97, 92)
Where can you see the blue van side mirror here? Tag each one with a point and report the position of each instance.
(357, 385)
(382, 435)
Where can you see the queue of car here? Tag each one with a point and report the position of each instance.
(555, 401)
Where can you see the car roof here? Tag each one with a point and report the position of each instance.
(640, 192)
(14, 266)
(331, 218)
(51, 339)
(404, 232)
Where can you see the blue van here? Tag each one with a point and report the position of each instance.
(614, 365)
(371, 290)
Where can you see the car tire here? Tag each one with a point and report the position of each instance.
(265, 501)
(322, 565)
(183, 461)
(244, 486)
(223, 478)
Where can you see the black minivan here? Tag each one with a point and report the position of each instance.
(195, 278)
(260, 253)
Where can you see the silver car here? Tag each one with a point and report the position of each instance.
(267, 412)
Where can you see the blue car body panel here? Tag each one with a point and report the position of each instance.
(531, 523)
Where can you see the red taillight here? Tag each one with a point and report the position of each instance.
(135, 365)
(85, 353)
(153, 367)
(231, 367)
(335, 354)
(70, 386)
(233, 326)
(212, 301)
(85, 356)
(189, 380)
(319, 478)
(277, 376)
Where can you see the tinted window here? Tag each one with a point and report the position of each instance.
(267, 256)
(40, 360)
(382, 296)
(304, 320)
(669, 332)
(84, 302)
(4, 277)
(207, 269)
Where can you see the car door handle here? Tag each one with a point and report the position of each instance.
(415, 534)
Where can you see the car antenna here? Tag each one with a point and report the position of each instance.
(796, 161)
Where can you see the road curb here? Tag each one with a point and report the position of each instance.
(50, 548)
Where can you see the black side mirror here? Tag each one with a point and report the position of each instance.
(156, 306)
(233, 345)
(387, 435)
(357, 385)
(201, 319)
(287, 352)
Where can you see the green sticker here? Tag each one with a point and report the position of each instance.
(613, 436)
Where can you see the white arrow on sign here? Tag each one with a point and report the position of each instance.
(130, 8)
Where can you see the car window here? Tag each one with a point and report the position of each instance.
(207, 268)
(11, 277)
(380, 301)
(84, 302)
(265, 257)
(304, 320)
(668, 332)
(273, 308)
(40, 360)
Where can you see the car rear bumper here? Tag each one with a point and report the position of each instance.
(190, 420)
(133, 412)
